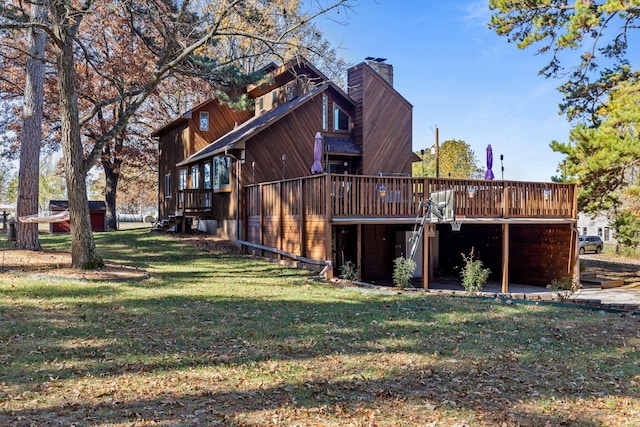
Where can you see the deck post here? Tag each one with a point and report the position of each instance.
(302, 227)
(576, 253)
(280, 217)
(505, 258)
(359, 247)
(327, 224)
(261, 216)
(426, 256)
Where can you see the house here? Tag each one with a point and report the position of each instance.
(246, 175)
(597, 225)
(97, 212)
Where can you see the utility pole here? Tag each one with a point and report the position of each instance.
(437, 154)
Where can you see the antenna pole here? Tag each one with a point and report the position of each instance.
(437, 154)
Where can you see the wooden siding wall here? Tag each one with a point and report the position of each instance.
(383, 123)
(288, 216)
(171, 152)
(293, 136)
(222, 119)
(377, 251)
(539, 253)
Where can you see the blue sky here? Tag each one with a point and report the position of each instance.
(461, 77)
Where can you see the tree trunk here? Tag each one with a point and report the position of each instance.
(112, 175)
(29, 173)
(83, 249)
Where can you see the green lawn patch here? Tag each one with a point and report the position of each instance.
(220, 339)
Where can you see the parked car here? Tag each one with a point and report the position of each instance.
(590, 243)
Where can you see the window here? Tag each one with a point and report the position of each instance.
(260, 104)
(207, 184)
(167, 186)
(584, 230)
(195, 177)
(221, 172)
(207, 175)
(204, 120)
(340, 119)
(324, 112)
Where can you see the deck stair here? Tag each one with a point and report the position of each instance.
(589, 279)
(168, 223)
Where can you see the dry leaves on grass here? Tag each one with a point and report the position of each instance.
(58, 264)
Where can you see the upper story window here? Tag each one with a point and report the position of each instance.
(207, 176)
(167, 186)
(204, 120)
(222, 173)
(340, 119)
(325, 105)
(195, 177)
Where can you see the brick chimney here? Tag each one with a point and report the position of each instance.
(381, 67)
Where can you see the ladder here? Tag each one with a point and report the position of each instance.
(425, 208)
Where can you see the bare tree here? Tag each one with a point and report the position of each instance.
(28, 175)
(182, 37)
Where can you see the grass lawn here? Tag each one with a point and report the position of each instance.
(218, 339)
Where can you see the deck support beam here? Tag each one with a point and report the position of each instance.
(428, 255)
(328, 231)
(505, 258)
(359, 247)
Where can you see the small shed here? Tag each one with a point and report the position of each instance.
(97, 210)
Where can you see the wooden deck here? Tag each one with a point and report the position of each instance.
(297, 217)
(356, 196)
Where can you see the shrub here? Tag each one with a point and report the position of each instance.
(474, 275)
(348, 271)
(402, 271)
(565, 287)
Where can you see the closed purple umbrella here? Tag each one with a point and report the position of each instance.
(317, 155)
(489, 174)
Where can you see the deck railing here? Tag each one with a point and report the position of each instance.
(195, 200)
(374, 197)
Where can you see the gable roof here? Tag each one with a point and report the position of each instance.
(270, 70)
(63, 205)
(255, 125)
(183, 118)
(273, 71)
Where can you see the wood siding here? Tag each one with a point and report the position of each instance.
(540, 253)
(171, 151)
(222, 119)
(383, 123)
(288, 216)
(293, 136)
